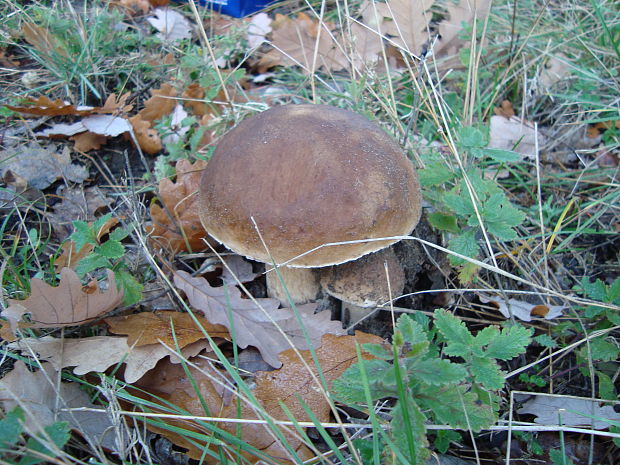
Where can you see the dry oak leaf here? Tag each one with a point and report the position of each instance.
(458, 13)
(161, 103)
(168, 327)
(98, 353)
(77, 204)
(41, 39)
(514, 134)
(294, 42)
(146, 137)
(66, 304)
(176, 225)
(87, 141)
(171, 24)
(573, 411)
(41, 166)
(261, 327)
(45, 401)
(405, 22)
(44, 106)
(285, 385)
(194, 96)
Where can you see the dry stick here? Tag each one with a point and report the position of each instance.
(315, 53)
(516, 426)
(540, 212)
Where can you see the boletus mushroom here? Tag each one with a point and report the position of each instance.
(304, 176)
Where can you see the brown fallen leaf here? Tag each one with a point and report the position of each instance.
(285, 385)
(41, 39)
(146, 137)
(294, 41)
(405, 22)
(161, 103)
(194, 95)
(463, 11)
(87, 141)
(66, 304)
(98, 353)
(44, 106)
(45, 401)
(164, 326)
(269, 329)
(17, 193)
(176, 225)
(237, 268)
(41, 166)
(505, 109)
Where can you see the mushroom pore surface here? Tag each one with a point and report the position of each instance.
(308, 175)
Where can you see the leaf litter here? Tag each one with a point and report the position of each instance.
(258, 322)
(45, 401)
(68, 304)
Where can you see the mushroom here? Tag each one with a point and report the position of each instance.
(304, 176)
(362, 285)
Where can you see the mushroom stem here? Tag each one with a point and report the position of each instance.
(302, 285)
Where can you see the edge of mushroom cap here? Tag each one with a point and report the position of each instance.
(370, 135)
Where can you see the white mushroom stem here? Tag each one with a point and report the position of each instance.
(302, 285)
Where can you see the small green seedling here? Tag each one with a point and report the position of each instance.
(108, 254)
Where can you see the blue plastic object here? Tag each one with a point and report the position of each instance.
(236, 8)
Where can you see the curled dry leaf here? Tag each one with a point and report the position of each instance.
(87, 141)
(286, 385)
(98, 353)
(176, 224)
(146, 137)
(161, 103)
(44, 106)
(522, 310)
(45, 401)
(169, 327)
(259, 27)
(194, 96)
(267, 328)
(68, 304)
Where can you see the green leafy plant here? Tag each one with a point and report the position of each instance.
(425, 385)
(16, 449)
(603, 352)
(108, 253)
(455, 212)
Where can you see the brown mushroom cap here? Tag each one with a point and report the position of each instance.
(308, 175)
